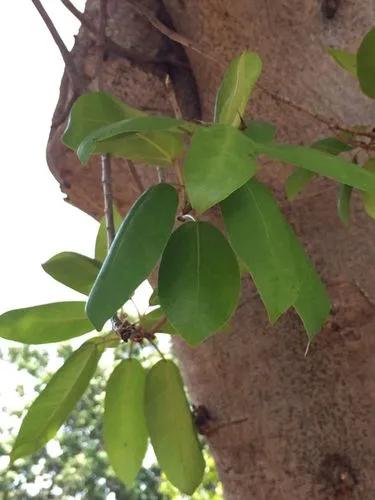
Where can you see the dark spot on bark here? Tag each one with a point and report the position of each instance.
(338, 475)
(66, 185)
(330, 7)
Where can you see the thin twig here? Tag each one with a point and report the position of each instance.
(168, 32)
(76, 80)
(135, 175)
(172, 97)
(154, 345)
(155, 328)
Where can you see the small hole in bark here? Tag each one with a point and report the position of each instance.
(330, 7)
(338, 474)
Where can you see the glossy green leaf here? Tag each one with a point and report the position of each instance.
(366, 64)
(140, 124)
(369, 198)
(91, 111)
(300, 177)
(263, 240)
(46, 323)
(149, 320)
(345, 59)
(171, 427)
(135, 251)
(297, 181)
(151, 148)
(124, 425)
(101, 237)
(343, 203)
(260, 131)
(218, 162)
(73, 270)
(199, 281)
(235, 89)
(54, 404)
(321, 163)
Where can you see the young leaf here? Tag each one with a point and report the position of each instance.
(73, 270)
(46, 323)
(345, 59)
(321, 163)
(366, 64)
(343, 203)
(297, 181)
(369, 198)
(149, 320)
(124, 425)
(235, 89)
(53, 405)
(101, 237)
(171, 428)
(263, 240)
(91, 111)
(260, 131)
(135, 251)
(199, 281)
(219, 161)
(141, 124)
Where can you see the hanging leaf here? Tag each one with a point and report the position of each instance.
(142, 124)
(101, 237)
(149, 320)
(171, 428)
(260, 131)
(300, 177)
(263, 240)
(321, 163)
(46, 323)
(218, 162)
(366, 64)
(135, 251)
(345, 60)
(369, 198)
(56, 401)
(91, 111)
(343, 203)
(235, 89)
(73, 270)
(124, 425)
(199, 281)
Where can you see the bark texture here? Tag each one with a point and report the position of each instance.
(284, 426)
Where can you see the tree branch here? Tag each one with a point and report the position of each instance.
(77, 82)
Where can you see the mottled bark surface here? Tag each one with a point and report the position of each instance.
(287, 427)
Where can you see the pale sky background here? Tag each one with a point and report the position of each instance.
(36, 222)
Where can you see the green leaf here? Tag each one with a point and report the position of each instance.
(135, 251)
(343, 203)
(73, 270)
(46, 323)
(366, 64)
(297, 181)
(54, 404)
(199, 281)
(218, 162)
(369, 198)
(151, 148)
(171, 427)
(263, 240)
(154, 299)
(345, 59)
(141, 124)
(91, 111)
(149, 320)
(260, 131)
(321, 163)
(300, 177)
(101, 237)
(235, 89)
(124, 425)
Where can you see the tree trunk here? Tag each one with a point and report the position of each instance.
(284, 426)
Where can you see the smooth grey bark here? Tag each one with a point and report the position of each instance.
(285, 427)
